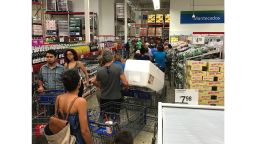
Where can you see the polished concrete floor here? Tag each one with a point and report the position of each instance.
(145, 136)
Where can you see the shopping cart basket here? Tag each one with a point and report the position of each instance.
(144, 96)
(114, 117)
(43, 102)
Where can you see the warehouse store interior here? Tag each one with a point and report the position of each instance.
(168, 58)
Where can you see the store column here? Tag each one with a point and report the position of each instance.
(87, 20)
(107, 17)
(125, 21)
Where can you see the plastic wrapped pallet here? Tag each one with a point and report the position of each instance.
(144, 73)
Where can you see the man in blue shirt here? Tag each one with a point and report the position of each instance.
(160, 57)
(50, 78)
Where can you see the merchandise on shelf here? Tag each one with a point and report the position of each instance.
(51, 27)
(64, 5)
(63, 28)
(143, 31)
(75, 27)
(159, 18)
(120, 10)
(151, 18)
(159, 31)
(51, 5)
(167, 18)
(151, 31)
(209, 83)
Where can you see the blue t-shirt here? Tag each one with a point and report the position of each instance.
(153, 50)
(160, 58)
(119, 63)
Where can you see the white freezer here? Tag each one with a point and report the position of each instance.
(190, 124)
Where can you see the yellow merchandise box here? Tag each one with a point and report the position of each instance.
(215, 74)
(216, 64)
(215, 83)
(196, 73)
(200, 63)
(213, 69)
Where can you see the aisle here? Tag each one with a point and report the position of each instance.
(143, 137)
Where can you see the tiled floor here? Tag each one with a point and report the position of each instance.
(144, 137)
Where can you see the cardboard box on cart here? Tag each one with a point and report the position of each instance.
(144, 73)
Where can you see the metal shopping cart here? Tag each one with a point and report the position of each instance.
(114, 117)
(144, 96)
(38, 124)
(43, 103)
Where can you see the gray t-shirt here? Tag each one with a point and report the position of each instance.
(109, 77)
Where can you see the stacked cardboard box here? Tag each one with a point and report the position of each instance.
(208, 78)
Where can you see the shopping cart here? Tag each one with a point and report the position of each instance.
(44, 102)
(144, 96)
(38, 124)
(114, 117)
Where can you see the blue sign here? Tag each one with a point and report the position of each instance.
(201, 17)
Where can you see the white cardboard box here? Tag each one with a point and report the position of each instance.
(144, 73)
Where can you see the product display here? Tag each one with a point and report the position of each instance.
(210, 84)
(75, 27)
(151, 18)
(63, 28)
(51, 27)
(159, 18)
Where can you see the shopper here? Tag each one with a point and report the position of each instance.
(137, 55)
(139, 44)
(160, 58)
(123, 137)
(127, 48)
(50, 77)
(118, 61)
(143, 56)
(108, 80)
(50, 74)
(77, 117)
(71, 62)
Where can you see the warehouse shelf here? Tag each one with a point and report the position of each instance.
(64, 13)
(36, 3)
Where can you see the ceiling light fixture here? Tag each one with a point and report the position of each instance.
(193, 16)
(156, 4)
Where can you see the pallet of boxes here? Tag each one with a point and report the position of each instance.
(208, 78)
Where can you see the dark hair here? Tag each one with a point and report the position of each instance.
(169, 46)
(70, 79)
(74, 54)
(52, 52)
(160, 48)
(124, 137)
(142, 51)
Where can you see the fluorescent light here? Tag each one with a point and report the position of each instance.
(156, 4)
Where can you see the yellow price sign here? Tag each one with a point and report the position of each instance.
(174, 38)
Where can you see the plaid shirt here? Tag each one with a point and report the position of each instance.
(51, 78)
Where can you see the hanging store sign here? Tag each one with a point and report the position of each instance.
(186, 96)
(201, 17)
(159, 18)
